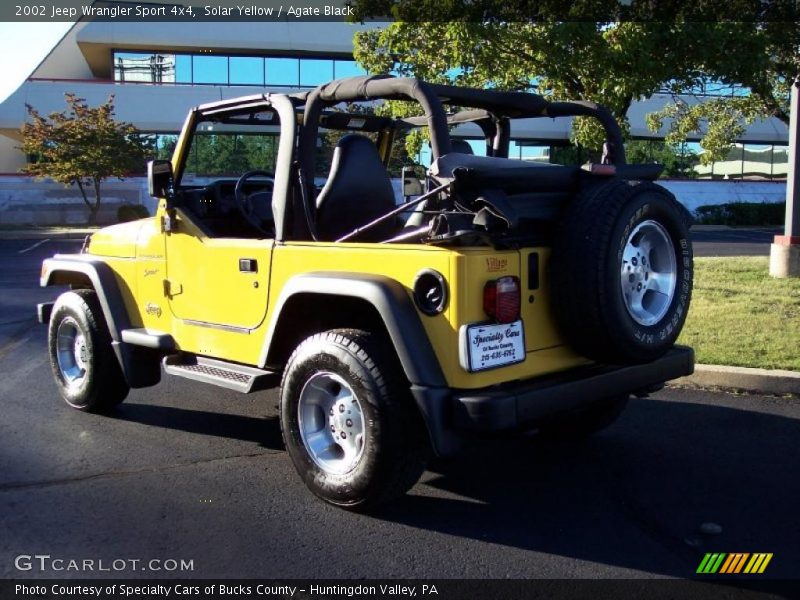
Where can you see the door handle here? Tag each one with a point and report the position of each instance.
(172, 288)
(248, 265)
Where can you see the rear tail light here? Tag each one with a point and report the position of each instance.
(501, 299)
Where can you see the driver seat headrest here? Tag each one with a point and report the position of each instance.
(461, 146)
(358, 190)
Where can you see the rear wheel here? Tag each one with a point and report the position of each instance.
(348, 421)
(85, 368)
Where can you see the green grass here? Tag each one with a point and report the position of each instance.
(741, 316)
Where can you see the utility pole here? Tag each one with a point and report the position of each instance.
(784, 259)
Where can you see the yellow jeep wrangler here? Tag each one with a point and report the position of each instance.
(497, 294)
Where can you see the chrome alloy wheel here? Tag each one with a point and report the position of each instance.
(71, 352)
(331, 423)
(648, 273)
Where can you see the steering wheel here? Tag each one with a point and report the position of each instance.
(256, 208)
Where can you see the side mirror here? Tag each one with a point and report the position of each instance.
(159, 178)
(412, 186)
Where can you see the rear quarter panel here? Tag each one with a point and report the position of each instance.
(466, 271)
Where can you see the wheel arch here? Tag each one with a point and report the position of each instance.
(140, 367)
(93, 274)
(351, 300)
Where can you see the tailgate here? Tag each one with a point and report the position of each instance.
(530, 265)
(540, 330)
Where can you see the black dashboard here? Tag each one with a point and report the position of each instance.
(216, 210)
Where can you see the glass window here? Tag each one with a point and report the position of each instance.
(183, 68)
(534, 152)
(314, 72)
(780, 161)
(149, 67)
(155, 67)
(160, 145)
(347, 68)
(165, 145)
(210, 69)
(729, 168)
(282, 71)
(247, 70)
(757, 161)
(216, 152)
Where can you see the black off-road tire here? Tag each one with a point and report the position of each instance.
(101, 385)
(579, 424)
(394, 440)
(589, 254)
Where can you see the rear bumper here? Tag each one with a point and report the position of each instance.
(449, 414)
(524, 403)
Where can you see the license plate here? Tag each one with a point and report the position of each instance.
(488, 346)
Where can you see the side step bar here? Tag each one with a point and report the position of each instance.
(233, 376)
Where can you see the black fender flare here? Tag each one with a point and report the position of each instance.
(103, 281)
(56, 270)
(392, 302)
(395, 307)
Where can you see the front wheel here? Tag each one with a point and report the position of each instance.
(348, 421)
(85, 368)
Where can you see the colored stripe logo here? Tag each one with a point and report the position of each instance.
(734, 563)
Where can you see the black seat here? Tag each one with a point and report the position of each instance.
(461, 146)
(358, 191)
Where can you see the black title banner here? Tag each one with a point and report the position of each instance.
(712, 588)
(404, 10)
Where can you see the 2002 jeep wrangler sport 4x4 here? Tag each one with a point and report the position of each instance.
(506, 295)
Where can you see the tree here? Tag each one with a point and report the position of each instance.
(613, 63)
(83, 146)
(228, 153)
(676, 159)
(765, 76)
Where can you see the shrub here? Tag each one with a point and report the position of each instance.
(741, 213)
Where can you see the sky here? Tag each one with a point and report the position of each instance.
(22, 48)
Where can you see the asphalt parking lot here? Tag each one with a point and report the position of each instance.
(722, 241)
(186, 471)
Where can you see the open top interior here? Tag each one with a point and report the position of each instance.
(254, 168)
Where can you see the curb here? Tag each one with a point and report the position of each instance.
(711, 228)
(776, 228)
(742, 379)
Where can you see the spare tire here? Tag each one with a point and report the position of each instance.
(621, 272)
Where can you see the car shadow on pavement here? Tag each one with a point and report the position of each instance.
(634, 496)
(266, 432)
